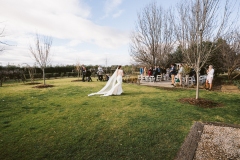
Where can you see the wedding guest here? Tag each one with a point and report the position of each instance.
(180, 72)
(100, 73)
(210, 73)
(150, 71)
(145, 71)
(172, 73)
(157, 72)
(84, 73)
(141, 73)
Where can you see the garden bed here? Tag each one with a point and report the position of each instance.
(31, 83)
(76, 80)
(44, 86)
(201, 102)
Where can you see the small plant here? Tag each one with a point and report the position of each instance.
(237, 83)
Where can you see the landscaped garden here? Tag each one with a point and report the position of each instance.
(62, 122)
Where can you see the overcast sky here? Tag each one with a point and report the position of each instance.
(93, 32)
(89, 31)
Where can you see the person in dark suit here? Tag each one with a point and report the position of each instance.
(157, 72)
(83, 73)
(172, 73)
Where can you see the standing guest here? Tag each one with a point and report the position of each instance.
(154, 71)
(82, 70)
(157, 72)
(180, 72)
(209, 80)
(83, 73)
(141, 72)
(172, 73)
(145, 71)
(100, 73)
(150, 71)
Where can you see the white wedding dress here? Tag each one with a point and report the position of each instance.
(113, 86)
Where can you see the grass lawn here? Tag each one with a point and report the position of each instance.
(64, 123)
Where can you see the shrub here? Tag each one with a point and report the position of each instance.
(237, 83)
(55, 75)
(27, 76)
(37, 75)
(48, 75)
(69, 74)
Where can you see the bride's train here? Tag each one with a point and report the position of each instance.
(113, 86)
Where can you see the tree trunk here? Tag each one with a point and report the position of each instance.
(229, 74)
(44, 83)
(197, 87)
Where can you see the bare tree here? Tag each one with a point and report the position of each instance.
(200, 21)
(78, 68)
(152, 39)
(2, 43)
(31, 71)
(41, 52)
(231, 53)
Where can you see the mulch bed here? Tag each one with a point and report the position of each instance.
(77, 80)
(201, 102)
(31, 83)
(43, 86)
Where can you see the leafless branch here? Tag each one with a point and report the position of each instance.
(152, 39)
(41, 51)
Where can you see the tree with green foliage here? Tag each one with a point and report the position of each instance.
(176, 57)
(216, 57)
(230, 49)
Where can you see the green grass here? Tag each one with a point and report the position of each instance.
(64, 123)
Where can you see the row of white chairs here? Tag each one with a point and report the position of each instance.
(150, 78)
(191, 80)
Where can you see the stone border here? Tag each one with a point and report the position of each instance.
(189, 146)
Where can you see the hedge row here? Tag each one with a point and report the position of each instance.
(52, 75)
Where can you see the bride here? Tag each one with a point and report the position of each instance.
(112, 88)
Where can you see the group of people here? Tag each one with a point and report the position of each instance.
(179, 74)
(114, 84)
(150, 72)
(86, 74)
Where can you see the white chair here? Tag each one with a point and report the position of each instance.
(183, 81)
(159, 78)
(191, 80)
(145, 78)
(139, 78)
(165, 77)
(201, 79)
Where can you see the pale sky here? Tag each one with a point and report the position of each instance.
(89, 31)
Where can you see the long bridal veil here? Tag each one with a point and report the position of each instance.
(110, 84)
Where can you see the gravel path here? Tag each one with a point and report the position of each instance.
(218, 143)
